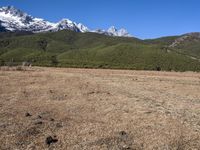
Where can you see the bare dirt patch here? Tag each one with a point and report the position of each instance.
(52, 108)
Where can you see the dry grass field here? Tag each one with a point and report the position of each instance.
(88, 109)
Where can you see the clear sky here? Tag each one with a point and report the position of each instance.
(142, 18)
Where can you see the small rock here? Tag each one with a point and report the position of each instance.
(59, 125)
(28, 115)
(2, 125)
(89, 93)
(52, 119)
(50, 140)
(39, 116)
(168, 112)
(126, 147)
(108, 93)
(38, 123)
(148, 112)
(122, 133)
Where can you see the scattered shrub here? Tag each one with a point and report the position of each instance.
(158, 68)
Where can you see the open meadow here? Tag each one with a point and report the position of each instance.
(93, 109)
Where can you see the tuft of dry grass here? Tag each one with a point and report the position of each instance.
(53, 108)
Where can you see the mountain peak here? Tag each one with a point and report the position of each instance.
(83, 28)
(9, 8)
(13, 11)
(65, 20)
(112, 29)
(123, 32)
(115, 32)
(67, 24)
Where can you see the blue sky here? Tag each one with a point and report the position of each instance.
(142, 18)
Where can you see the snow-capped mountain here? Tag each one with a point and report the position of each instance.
(112, 31)
(13, 19)
(66, 24)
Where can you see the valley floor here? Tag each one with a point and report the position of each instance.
(54, 108)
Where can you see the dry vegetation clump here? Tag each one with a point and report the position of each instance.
(14, 68)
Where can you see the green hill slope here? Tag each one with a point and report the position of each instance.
(71, 49)
(188, 44)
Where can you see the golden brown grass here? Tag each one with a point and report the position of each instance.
(99, 109)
